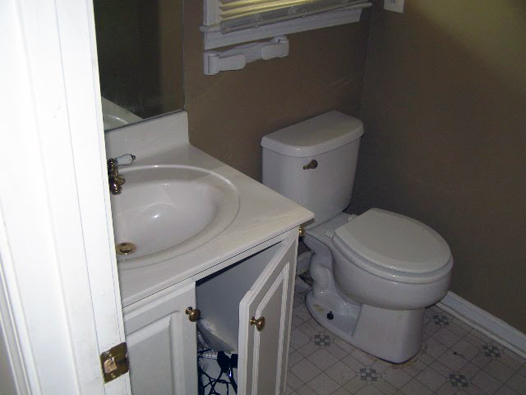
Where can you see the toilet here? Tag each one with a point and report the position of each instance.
(374, 273)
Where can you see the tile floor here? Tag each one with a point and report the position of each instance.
(455, 359)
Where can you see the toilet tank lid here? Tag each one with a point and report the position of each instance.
(314, 136)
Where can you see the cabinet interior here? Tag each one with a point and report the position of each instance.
(218, 297)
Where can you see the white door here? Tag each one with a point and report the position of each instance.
(264, 324)
(59, 294)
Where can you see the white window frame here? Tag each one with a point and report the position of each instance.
(215, 39)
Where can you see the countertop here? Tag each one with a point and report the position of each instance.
(263, 213)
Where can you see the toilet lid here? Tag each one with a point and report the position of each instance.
(395, 242)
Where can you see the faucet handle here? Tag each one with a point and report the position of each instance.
(126, 159)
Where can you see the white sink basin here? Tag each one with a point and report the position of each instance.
(165, 211)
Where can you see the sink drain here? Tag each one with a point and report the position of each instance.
(125, 248)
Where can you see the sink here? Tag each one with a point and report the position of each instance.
(168, 210)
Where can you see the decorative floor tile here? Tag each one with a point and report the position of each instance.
(491, 350)
(322, 340)
(368, 374)
(458, 380)
(455, 359)
(440, 319)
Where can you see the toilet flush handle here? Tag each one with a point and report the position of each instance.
(311, 165)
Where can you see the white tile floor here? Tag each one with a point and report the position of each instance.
(455, 359)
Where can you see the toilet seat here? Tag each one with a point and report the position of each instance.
(395, 247)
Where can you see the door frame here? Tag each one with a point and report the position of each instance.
(59, 292)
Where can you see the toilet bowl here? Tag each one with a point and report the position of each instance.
(373, 273)
(373, 301)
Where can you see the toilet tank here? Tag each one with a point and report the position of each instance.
(332, 140)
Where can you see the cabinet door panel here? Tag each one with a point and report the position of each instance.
(162, 348)
(263, 354)
(149, 354)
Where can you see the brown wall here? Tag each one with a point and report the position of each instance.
(230, 112)
(444, 108)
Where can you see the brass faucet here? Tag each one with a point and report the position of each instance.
(115, 179)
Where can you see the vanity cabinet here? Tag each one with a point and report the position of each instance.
(246, 307)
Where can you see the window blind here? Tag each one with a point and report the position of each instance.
(235, 15)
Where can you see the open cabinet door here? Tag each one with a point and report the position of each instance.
(59, 293)
(264, 324)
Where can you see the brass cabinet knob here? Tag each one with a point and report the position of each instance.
(301, 231)
(311, 165)
(259, 323)
(193, 314)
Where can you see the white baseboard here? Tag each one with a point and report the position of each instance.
(483, 321)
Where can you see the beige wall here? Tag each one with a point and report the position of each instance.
(444, 108)
(445, 113)
(230, 112)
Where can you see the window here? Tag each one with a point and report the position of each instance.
(229, 22)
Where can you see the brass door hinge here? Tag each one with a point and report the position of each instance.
(114, 362)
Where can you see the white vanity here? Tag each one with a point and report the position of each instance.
(233, 271)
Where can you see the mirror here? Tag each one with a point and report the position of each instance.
(140, 53)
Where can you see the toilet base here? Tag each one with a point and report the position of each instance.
(392, 335)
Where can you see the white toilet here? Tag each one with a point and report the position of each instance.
(373, 273)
